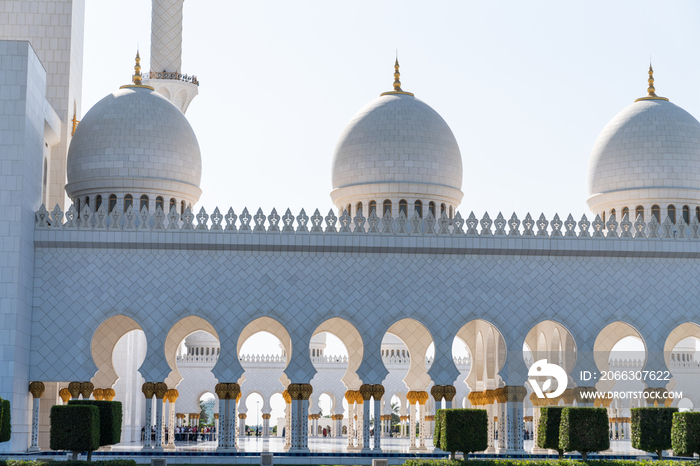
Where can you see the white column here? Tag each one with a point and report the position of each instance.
(266, 425)
(288, 426)
(36, 407)
(411, 429)
(502, 425)
(304, 408)
(230, 427)
(378, 424)
(365, 424)
(241, 425)
(421, 425)
(489, 413)
(221, 427)
(159, 424)
(148, 422)
(351, 429)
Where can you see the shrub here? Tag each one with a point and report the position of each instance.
(685, 433)
(651, 429)
(67, 463)
(464, 430)
(584, 430)
(110, 419)
(75, 428)
(5, 421)
(548, 429)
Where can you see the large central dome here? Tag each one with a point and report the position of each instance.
(396, 148)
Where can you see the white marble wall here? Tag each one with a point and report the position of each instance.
(55, 29)
(22, 91)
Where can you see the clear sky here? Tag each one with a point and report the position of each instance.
(525, 86)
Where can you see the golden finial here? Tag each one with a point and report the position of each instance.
(136, 77)
(651, 91)
(397, 81)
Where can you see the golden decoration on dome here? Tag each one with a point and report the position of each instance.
(136, 77)
(397, 82)
(651, 91)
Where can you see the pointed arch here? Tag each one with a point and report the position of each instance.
(178, 332)
(105, 338)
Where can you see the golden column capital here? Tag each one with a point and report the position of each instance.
(216, 416)
(449, 391)
(422, 397)
(148, 389)
(74, 389)
(438, 392)
(98, 394)
(287, 397)
(266, 415)
(36, 389)
(221, 390)
(171, 395)
(160, 388)
(366, 391)
(242, 415)
(65, 395)
(305, 391)
(86, 389)
(109, 394)
(233, 391)
(378, 391)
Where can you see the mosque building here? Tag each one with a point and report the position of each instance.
(134, 293)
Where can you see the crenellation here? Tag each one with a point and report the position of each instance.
(390, 226)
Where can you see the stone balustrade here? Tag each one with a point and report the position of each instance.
(273, 223)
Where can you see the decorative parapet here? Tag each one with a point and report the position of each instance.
(175, 76)
(288, 224)
(462, 363)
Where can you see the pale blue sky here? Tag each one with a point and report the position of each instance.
(525, 86)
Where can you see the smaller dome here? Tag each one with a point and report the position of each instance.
(136, 142)
(201, 338)
(647, 155)
(396, 148)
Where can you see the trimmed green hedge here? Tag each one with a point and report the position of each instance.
(464, 430)
(651, 429)
(110, 419)
(584, 430)
(685, 433)
(5, 421)
(75, 428)
(67, 463)
(548, 429)
(564, 462)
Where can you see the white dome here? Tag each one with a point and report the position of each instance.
(200, 338)
(134, 141)
(397, 147)
(649, 153)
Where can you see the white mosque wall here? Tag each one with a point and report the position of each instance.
(23, 82)
(513, 275)
(55, 31)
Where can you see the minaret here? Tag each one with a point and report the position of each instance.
(166, 55)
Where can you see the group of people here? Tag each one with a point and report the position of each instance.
(184, 434)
